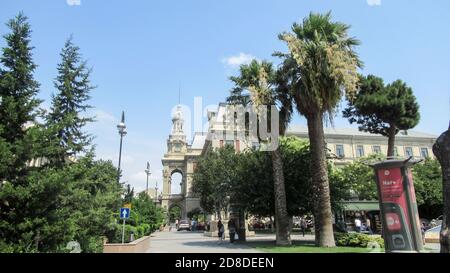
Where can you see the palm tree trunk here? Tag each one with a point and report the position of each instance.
(322, 205)
(441, 150)
(391, 140)
(283, 235)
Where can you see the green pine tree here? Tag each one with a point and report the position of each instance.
(383, 109)
(70, 102)
(22, 204)
(18, 90)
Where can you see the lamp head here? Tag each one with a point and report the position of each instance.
(121, 126)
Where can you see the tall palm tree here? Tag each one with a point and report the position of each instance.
(268, 87)
(325, 65)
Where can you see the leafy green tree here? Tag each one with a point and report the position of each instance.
(91, 200)
(174, 214)
(428, 185)
(359, 179)
(146, 212)
(325, 66)
(196, 214)
(213, 179)
(129, 194)
(252, 188)
(384, 110)
(59, 205)
(70, 102)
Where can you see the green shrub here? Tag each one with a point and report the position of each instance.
(145, 229)
(357, 239)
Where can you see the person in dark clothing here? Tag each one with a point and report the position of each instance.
(303, 226)
(232, 230)
(221, 230)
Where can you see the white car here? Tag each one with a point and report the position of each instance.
(184, 225)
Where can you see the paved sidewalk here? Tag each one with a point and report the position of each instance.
(192, 242)
(196, 242)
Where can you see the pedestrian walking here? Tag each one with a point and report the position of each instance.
(423, 229)
(369, 226)
(303, 225)
(221, 230)
(358, 225)
(232, 230)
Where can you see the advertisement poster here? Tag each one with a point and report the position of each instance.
(394, 206)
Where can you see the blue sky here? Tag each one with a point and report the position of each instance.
(142, 52)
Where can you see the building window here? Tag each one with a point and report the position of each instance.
(376, 149)
(230, 143)
(395, 151)
(409, 151)
(177, 147)
(340, 150)
(359, 151)
(424, 152)
(255, 145)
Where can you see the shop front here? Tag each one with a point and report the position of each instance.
(359, 216)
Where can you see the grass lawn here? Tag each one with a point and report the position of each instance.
(304, 247)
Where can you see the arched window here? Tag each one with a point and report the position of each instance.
(176, 179)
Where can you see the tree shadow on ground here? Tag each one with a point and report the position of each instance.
(263, 243)
(216, 244)
(272, 243)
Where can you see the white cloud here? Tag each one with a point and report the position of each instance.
(104, 117)
(137, 149)
(73, 2)
(374, 2)
(237, 60)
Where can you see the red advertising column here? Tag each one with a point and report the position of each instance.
(399, 214)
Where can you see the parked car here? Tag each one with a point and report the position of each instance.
(201, 226)
(184, 225)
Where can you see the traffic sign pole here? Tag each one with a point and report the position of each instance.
(124, 214)
(123, 231)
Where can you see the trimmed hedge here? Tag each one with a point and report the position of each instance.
(357, 239)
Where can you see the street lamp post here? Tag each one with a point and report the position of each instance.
(156, 192)
(122, 132)
(147, 171)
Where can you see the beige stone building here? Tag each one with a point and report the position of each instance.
(347, 144)
(181, 158)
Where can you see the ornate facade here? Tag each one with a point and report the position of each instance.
(347, 144)
(180, 158)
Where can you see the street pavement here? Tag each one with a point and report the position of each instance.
(195, 242)
(192, 242)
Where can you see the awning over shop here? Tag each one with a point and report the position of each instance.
(361, 206)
